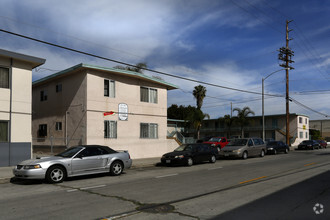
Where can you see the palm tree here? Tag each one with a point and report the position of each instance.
(228, 122)
(199, 94)
(242, 117)
(196, 118)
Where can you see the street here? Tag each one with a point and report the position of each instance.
(283, 186)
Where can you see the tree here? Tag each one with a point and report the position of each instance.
(199, 94)
(196, 118)
(242, 117)
(228, 122)
(137, 68)
(179, 112)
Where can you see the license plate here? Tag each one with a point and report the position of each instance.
(168, 161)
(226, 155)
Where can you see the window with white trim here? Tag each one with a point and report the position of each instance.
(58, 126)
(109, 88)
(301, 134)
(4, 77)
(300, 120)
(148, 95)
(110, 129)
(3, 131)
(149, 130)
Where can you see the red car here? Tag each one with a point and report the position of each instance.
(322, 143)
(218, 142)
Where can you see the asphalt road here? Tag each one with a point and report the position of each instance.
(283, 186)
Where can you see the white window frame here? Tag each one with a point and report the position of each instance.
(300, 120)
(5, 84)
(301, 135)
(110, 129)
(150, 97)
(110, 91)
(5, 136)
(148, 131)
(58, 126)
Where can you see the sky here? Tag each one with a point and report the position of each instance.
(230, 43)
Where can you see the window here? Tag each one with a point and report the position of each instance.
(58, 126)
(301, 134)
(42, 130)
(148, 130)
(109, 88)
(306, 121)
(4, 77)
(300, 120)
(3, 131)
(43, 95)
(58, 88)
(110, 129)
(148, 95)
(274, 123)
(306, 135)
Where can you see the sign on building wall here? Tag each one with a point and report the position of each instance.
(123, 112)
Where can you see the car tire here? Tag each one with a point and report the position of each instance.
(55, 174)
(213, 159)
(244, 155)
(116, 168)
(190, 162)
(262, 153)
(286, 150)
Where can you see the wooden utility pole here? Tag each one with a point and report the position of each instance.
(285, 55)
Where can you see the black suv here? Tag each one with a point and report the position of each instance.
(189, 154)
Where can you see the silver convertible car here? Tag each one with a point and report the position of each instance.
(75, 161)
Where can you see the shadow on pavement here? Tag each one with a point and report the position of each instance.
(309, 199)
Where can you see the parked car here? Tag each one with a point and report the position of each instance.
(75, 161)
(189, 154)
(274, 147)
(244, 148)
(218, 142)
(323, 144)
(309, 145)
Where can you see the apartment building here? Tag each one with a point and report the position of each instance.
(16, 106)
(88, 104)
(275, 128)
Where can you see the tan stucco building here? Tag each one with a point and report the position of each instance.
(15, 106)
(88, 104)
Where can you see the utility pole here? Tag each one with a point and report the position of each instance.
(285, 55)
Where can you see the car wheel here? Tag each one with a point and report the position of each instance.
(213, 159)
(275, 152)
(190, 162)
(262, 153)
(286, 150)
(55, 174)
(244, 155)
(116, 168)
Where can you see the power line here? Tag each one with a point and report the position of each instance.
(131, 65)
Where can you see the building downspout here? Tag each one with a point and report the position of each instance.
(10, 107)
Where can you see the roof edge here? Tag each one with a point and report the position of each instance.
(36, 61)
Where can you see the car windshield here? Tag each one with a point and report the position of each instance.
(237, 142)
(215, 139)
(185, 147)
(69, 152)
(307, 142)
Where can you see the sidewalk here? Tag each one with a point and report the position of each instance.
(7, 172)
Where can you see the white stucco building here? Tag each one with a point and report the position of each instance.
(15, 106)
(88, 104)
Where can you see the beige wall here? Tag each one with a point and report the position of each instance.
(69, 102)
(128, 132)
(21, 87)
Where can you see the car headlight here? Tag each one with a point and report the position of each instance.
(29, 167)
(179, 156)
(237, 151)
(270, 148)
